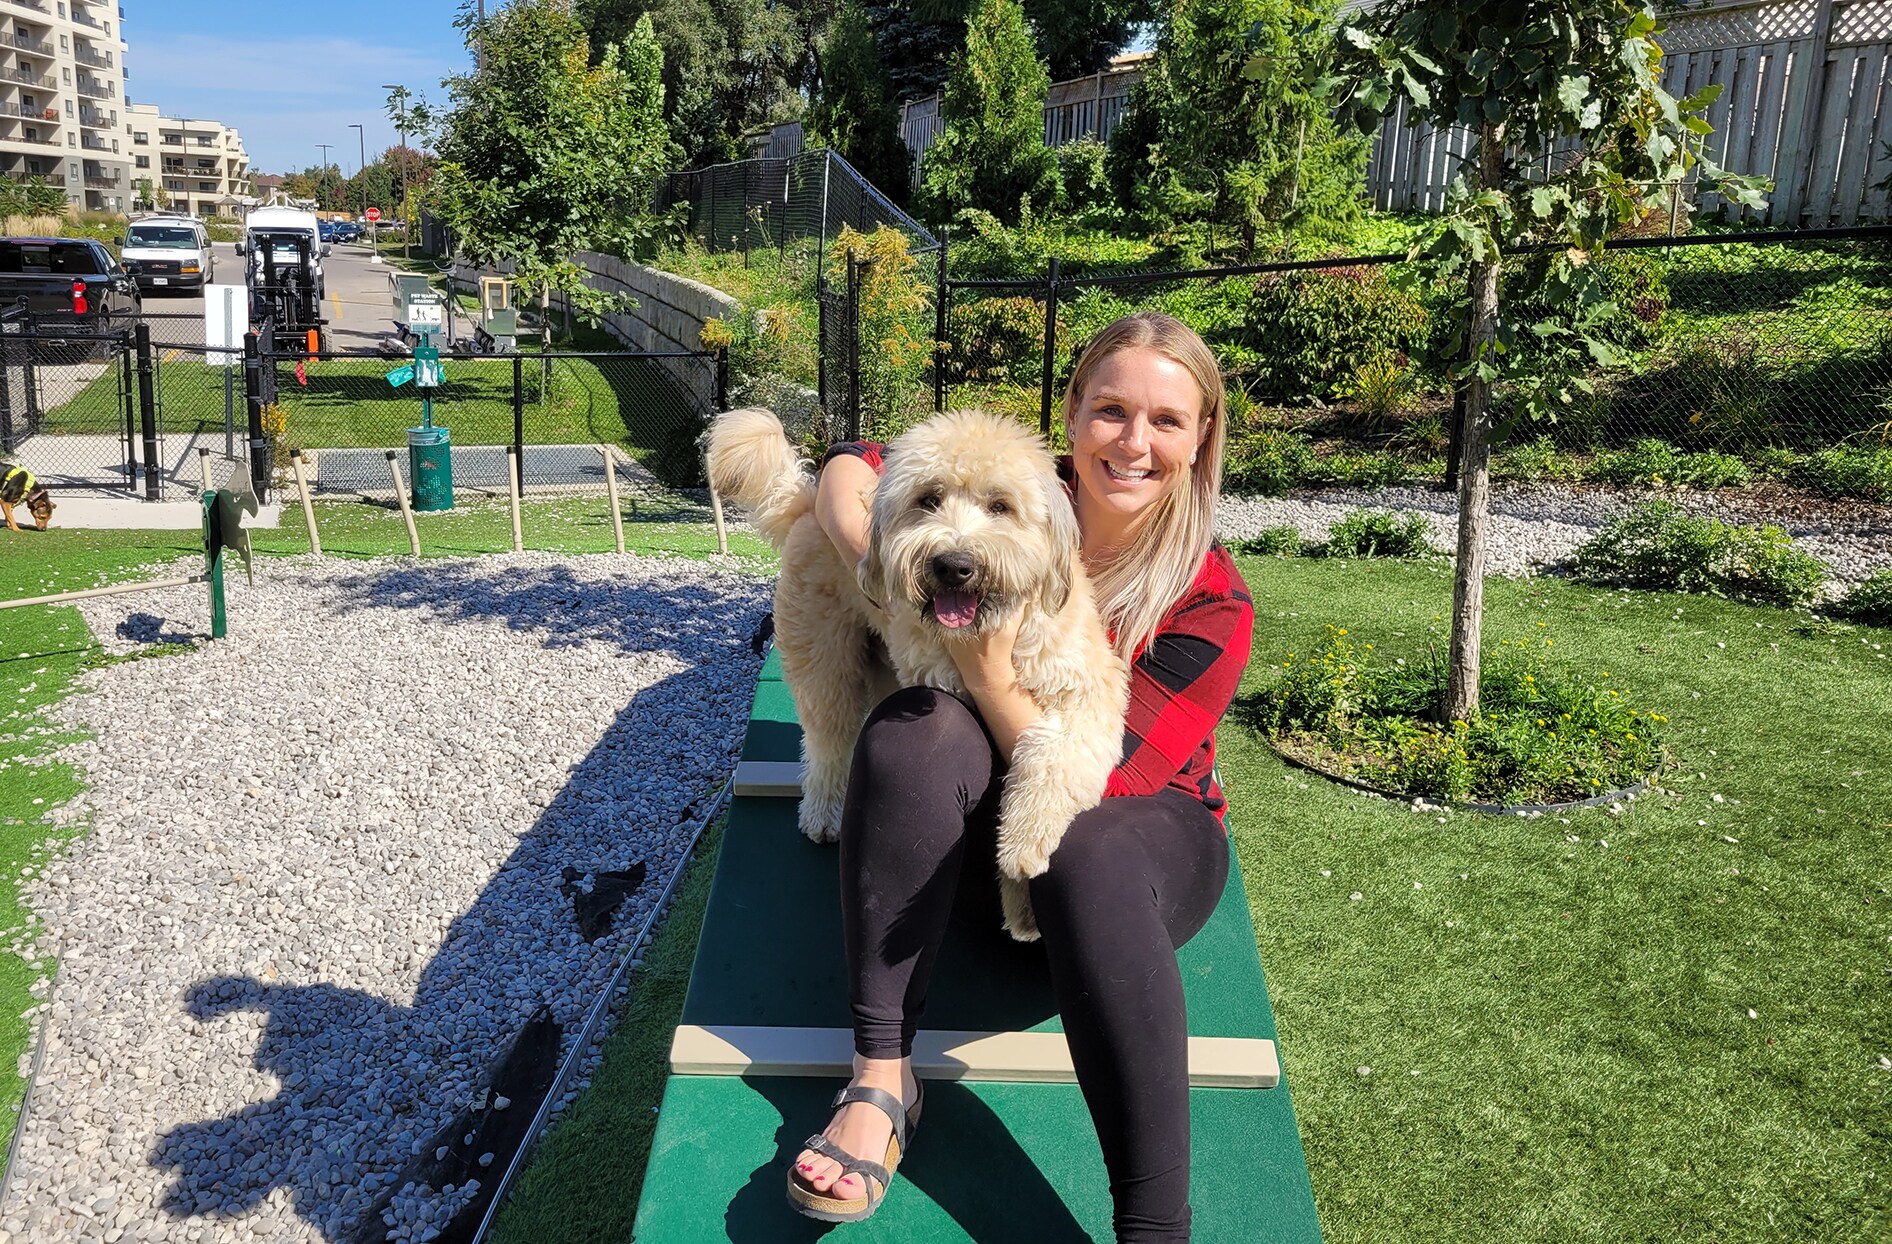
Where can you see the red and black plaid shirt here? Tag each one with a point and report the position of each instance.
(1181, 682)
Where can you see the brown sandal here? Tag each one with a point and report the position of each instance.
(876, 1176)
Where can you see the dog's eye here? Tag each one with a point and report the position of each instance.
(998, 508)
(929, 501)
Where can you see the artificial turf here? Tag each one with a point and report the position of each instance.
(1666, 1023)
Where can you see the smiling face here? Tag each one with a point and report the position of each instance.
(1135, 432)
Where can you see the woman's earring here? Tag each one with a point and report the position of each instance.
(1192, 460)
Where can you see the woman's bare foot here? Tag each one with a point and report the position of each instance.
(858, 1128)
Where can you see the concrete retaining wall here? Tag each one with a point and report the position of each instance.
(670, 310)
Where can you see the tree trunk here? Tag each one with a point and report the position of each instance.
(1474, 472)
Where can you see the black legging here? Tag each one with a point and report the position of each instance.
(1133, 879)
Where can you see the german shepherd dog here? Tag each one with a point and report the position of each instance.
(18, 487)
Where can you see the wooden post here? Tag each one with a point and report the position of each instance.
(1791, 203)
(308, 509)
(611, 487)
(512, 464)
(400, 493)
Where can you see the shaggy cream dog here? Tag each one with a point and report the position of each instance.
(970, 526)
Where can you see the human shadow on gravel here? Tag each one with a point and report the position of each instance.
(368, 1087)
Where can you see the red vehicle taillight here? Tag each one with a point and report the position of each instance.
(79, 306)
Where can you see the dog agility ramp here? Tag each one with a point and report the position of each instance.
(993, 1161)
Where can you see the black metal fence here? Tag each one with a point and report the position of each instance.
(81, 407)
(1739, 343)
(554, 410)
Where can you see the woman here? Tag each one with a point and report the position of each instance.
(1135, 877)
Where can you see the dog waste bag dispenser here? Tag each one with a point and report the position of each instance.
(429, 454)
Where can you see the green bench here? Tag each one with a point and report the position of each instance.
(993, 1161)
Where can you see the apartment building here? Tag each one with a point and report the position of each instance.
(62, 91)
(200, 165)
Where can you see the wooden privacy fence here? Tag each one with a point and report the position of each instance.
(1076, 108)
(1806, 100)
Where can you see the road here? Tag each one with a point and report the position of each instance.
(358, 306)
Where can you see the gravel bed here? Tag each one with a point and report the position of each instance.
(1537, 525)
(320, 890)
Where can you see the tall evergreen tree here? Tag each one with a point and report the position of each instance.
(852, 112)
(1229, 127)
(991, 154)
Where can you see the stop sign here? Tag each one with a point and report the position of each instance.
(374, 213)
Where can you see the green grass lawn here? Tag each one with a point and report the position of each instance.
(1661, 1025)
(348, 404)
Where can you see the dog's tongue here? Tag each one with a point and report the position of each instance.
(955, 609)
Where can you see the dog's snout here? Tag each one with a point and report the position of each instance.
(953, 570)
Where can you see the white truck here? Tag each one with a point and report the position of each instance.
(169, 252)
(280, 227)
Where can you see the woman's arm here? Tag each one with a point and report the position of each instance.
(1180, 687)
(992, 681)
(843, 499)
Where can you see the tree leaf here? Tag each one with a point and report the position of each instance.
(1445, 30)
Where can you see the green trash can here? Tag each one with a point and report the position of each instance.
(430, 466)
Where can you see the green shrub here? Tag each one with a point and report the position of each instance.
(1776, 463)
(1652, 461)
(1376, 533)
(1274, 542)
(1312, 330)
(1541, 735)
(998, 339)
(1869, 603)
(1381, 387)
(1082, 185)
(1268, 461)
(1659, 545)
(1732, 401)
(1848, 471)
(991, 154)
(1534, 460)
(1375, 469)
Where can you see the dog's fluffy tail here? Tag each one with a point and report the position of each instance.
(751, 463)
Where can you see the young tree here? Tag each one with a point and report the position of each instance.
(544, 154)
(1575, 138)
(852, 112)
(1229, 125)
(991, 154)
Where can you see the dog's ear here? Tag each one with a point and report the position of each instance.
(1064, 542)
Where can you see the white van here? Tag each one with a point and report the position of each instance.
(168, 252)
(281, 225)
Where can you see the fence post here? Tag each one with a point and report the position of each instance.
(1051, 345)
(722, 378)
(853, 328)
(253, 404)
(940, 347)
(128, 385)
(519, 407)
(821, 340)
(148, 411)
(6, 398)
(29, 372)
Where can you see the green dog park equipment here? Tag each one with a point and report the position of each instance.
(429, 448)
(991, 1162)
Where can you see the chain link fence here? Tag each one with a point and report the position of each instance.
(1743, 344)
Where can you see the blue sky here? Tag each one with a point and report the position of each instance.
(290, 76)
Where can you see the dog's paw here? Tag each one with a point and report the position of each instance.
(1015, 898)
(821, 832)
(1022, 861)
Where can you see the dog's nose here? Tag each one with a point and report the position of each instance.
(953, 569)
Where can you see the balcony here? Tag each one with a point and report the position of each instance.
(94, 144)
(29, 79)
(96, 89)
(85, 57)
(49, 116)
(34, 5)
(102, 183)
(26, 43)
(36, 142)
(86, 19)
(98, 120)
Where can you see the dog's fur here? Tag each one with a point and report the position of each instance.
(13, 491)
(962, 493)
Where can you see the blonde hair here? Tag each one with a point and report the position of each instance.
(1145, 579)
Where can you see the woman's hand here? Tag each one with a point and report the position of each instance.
(984, 662)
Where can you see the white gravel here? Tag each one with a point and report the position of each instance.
(319, 891)
(1537, 525)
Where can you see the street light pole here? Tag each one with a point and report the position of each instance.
(318, 185)
(361, 139)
